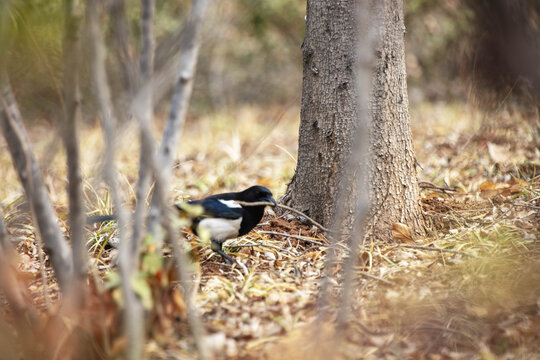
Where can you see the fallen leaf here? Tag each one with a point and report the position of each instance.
(401, 232)
(434, 195)
(489, 190)
(515, 186)
(487, 185)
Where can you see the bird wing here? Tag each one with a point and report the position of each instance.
(217, 208)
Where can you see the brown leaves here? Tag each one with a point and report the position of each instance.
(489, 190)
(402, 232)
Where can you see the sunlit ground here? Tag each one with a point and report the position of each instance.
(481, 300)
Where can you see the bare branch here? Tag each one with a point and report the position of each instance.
(364, 65)
(71, 50)
(326, 230)
(162, 165)
(134, 314)
(147, 155)
(30, 177)
(148, 163)
(297, 212)
(182, 269)
(180, 98)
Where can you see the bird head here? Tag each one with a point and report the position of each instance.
(258, 193)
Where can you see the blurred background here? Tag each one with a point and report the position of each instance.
(251, 52)
(249, 76)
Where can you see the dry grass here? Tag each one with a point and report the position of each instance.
(479, 300)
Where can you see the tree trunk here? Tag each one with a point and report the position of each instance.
(393, 179)
(328, 113)
(329, 119)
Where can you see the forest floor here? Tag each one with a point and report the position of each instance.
(467, 290)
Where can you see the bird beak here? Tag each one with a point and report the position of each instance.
(271, 199)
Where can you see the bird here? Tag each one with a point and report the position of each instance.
(228, 215)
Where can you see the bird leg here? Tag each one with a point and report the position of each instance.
(216, 246)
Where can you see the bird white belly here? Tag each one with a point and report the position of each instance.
(221, 229)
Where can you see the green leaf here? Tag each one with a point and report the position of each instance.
(191, 210)
(112, 280)
(148, 240)
(182, 222)
(151, 263)
(203, 234)
(141, 288)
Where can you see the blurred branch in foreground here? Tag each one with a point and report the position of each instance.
(180, 97)
(133, 312)
(368, 27)
(70, 127)
(163, 162)
(36, 193)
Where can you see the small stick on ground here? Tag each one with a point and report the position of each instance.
(326, 230)
(428, 185)
(298, 237)
(429, 248)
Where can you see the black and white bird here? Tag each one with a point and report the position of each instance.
(225, 217)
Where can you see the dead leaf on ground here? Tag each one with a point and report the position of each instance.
(489, 190)
(402, 232)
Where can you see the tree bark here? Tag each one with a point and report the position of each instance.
(328, 111)
(329, 118)
(393, 178)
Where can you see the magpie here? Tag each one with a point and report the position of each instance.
(227, 216)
